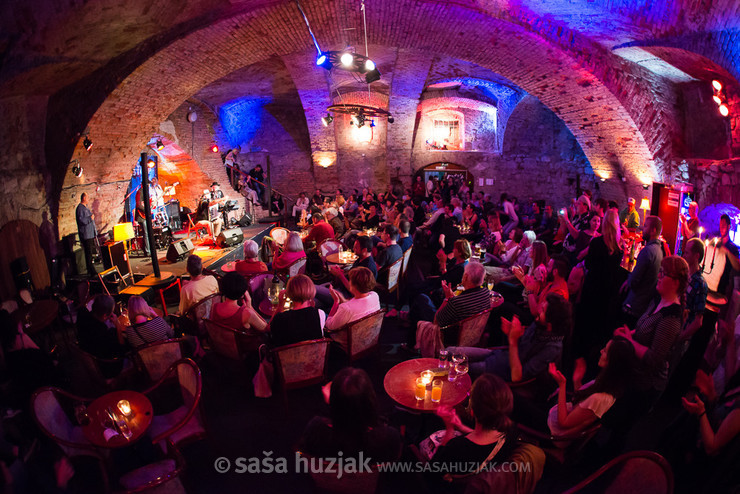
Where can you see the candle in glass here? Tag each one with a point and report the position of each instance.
(427, 376)
(125, 407)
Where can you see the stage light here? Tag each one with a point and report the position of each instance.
(603, 179)
(723, 110)
(320, 61)
(717, 99)
(645, 186)
(347, 59)
(160, 145)
(151, 163)
(327, 120)
(77, 170)
(369, 65)
(717, 85)
(323, 60)
(391, 119)
(214, 148)
(372, 76)
(87, 143)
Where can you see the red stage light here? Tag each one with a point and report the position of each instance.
(717, 85)
(214, 148)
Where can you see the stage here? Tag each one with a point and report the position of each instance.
(213, 256)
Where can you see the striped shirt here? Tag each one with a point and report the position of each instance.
(659, 332)
(468, 303)
(150, 331)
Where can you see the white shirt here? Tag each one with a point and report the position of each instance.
(352, 310)
(510, 211)
(194, 291)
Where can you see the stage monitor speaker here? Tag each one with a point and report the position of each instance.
(227, 238)
(114, 253)
(178, 250)
(245, 220)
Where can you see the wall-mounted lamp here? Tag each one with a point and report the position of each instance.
(160, 145)
(87, 143)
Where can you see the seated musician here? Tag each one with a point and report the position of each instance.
(208, 215)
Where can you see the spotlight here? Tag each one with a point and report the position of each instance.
(369, 65)
(723, 110)
(645, 186)
(372, 123)
(717, 85)
(151, 163)
(372, 76)
(214, 148)
(347, 59)
(87, 143)
(717, 99)
(327, 120)
(160, 145)
(77, 170)
(323, 61)
(603, 179)
(391, 119)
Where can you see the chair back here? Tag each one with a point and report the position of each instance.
(201, 310)
(256, 287)
(328, 246)
(302, 364)
(52, 419)
(472, 328)
(637, 472)
(394, 275)
(363, 335)
(224, 340)
(406, 257)
(185, 422)
(297, 267)
(155, 358)
(362, 482)
(95, 366)
(279, 235)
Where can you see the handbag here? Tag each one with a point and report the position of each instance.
(262, 380)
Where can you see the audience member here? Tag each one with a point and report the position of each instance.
(251, 263)
(642, 279)
(230, 313)
(302, 321)
(147, 326)
(199, 287)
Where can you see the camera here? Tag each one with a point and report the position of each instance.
(562, 212)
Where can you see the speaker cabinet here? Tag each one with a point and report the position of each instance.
(114, 254)
(178, 250)
(227, 238)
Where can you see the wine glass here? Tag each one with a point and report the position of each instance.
(490, 286)
(461, 364)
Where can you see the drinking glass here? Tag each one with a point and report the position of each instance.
(436, 390)
(490, 286)
(444, 355)
(462, 366)
(420, 391)
(456, 359)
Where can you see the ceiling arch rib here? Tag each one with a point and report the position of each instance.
(603, 127)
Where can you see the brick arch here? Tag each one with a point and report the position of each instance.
(600, 123)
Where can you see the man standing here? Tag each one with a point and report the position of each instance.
(690, 226)
(629, 216)
(643, 279)
(727, 283)
(87, 231)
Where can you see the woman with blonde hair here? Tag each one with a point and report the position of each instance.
(147, 325)
(591, 329)
(301, 321)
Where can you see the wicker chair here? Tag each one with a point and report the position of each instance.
(97, 368)
(279, 235)
(199, 311)
(185, 423)
(392, 284)
(301, 364)
(231, 343)
(564, 449)
(360, 337)
(155, 358)
(49, 414)
(297, 267)
(154, 476)
(469, 330)
(328, 246)
(405, 264)
(639, 472)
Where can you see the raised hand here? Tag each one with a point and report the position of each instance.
(556, 374)
(695, 407)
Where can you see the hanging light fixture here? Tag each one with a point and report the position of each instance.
(160, 145)
(87, 143)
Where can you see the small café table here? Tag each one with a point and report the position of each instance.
(266, 307)
(400, 384)
(141, 408)
(229, 267)
(334, 258)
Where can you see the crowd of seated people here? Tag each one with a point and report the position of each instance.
(622, 329)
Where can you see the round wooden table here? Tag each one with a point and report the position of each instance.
(229, 267)
(141, 408)
(335, 259)
(400, 382)
(40, 315)
(266, 307)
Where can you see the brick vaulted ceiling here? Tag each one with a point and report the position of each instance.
(137, 60)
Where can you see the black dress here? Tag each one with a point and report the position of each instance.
(595, 314)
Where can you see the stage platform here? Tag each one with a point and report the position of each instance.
(213, 257)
